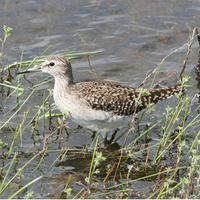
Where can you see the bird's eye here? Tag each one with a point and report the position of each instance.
(51, 64)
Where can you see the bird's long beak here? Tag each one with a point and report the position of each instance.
(36, 68)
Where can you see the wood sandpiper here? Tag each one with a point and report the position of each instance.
(98, 106)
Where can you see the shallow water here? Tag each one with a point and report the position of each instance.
(134, 37)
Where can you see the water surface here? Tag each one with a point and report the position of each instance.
(134, 37)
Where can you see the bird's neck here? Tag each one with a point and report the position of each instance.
(62, 83)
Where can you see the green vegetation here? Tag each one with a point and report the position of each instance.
(167, 167)
(7, 34)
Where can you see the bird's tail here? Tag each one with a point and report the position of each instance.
(160, 94)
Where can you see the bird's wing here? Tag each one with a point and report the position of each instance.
(119, 99)
(116, 99)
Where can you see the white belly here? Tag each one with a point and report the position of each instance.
(87, 117)
(102, 122)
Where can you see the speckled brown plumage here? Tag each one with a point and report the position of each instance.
(119, 99)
